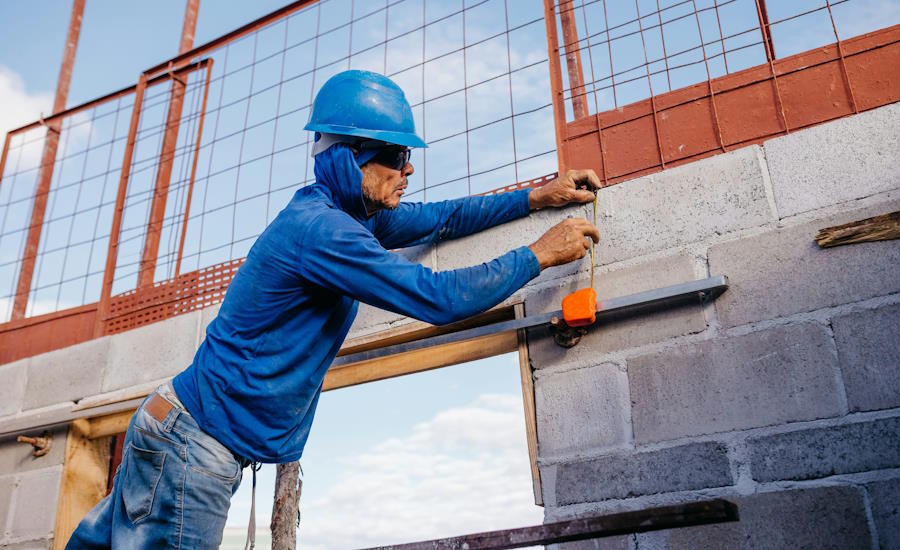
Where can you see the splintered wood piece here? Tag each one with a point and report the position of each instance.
(879, 228)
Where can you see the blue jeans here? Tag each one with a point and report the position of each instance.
(172, 490)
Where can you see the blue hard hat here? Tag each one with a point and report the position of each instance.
(364, 104)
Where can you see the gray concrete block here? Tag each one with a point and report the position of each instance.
(846, 159)
(582, 409)
(12, 386)
(821, 452)
(606, 543)
(16, 457)
(709, 197)
(884, 497)
(784, 374)
(32, 517)
(151, 352)
(38, 544)
(868, 344)
(682, 468)
(494, 242)
(783, 272)
(622, 332)
(820, 518)
(206, 317)
(7, 485)
(68, 374)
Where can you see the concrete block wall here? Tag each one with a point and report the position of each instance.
(784, 394)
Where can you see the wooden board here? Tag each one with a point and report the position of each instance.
(530, 409)
(879, 228)
(84, 479)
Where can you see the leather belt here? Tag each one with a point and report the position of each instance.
(158, 407)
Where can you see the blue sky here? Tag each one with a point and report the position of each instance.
(485, 113)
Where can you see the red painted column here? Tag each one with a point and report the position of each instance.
(48, 158)
(167, 154)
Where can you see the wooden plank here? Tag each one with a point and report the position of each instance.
(84, 479)
(419, 360)
(417, 330)
(879, 228)
(111, 424)
(588, 528)
(529, 407)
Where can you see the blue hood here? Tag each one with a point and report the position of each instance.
(337, 169)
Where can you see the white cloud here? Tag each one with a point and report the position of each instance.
(464, 470)
(17, 106)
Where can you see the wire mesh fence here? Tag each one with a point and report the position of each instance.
(213, 148)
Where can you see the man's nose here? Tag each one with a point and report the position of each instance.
(408, 169)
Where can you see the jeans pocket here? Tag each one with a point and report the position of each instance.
(209, 457)
(139, 481)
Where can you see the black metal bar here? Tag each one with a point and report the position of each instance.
(641, 521)
(660, 297)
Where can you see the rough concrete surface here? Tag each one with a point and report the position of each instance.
(151, 352)
(621, 332)
(784, 374)
(830, 163)
(206, 317)
(582, 409)
(12, 386)
(606, 543)
(682, 468)
(31, 519)
(885, 501)
(826, 451)
(67, 374)
(868, 345)
(7, 484)
(39, 544)
(16, 457)
(783, 272)
(820, 518)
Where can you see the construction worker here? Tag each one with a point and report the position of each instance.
(251, 391)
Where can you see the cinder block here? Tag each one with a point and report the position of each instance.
(582, 409)
(712, 196)
(682, 468)
(825, 517)
(206, 317)
(784, 374)
(494, 242)
(67, 374)
(622, 332)
(39, 544)
(16, 457)
(606, 543)
(868, 345)
(33, 517)
(885, 500)
(7, 485)
(821, 452)
(783, 272)
(846, 159)
(12, 386)
(151, 352)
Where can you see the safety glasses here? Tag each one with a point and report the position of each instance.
(393, 157)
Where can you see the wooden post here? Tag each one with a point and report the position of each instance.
(286, 506)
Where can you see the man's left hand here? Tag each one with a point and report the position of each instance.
(575, 186)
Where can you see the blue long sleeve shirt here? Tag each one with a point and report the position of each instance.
(255, 380)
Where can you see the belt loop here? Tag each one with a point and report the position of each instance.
(170, 419)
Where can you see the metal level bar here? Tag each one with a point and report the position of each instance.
(652, 299)
(587, 528)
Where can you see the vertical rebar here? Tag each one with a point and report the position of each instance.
(573, 59)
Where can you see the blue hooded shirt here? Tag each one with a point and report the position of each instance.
(255, 380)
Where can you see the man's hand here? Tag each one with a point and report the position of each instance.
(575, 186)
(565, 242)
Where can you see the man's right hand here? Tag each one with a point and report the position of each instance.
(565, 242)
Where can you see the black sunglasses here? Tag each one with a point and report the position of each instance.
(393, 157)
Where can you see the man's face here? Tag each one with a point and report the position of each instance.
(383, 186)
